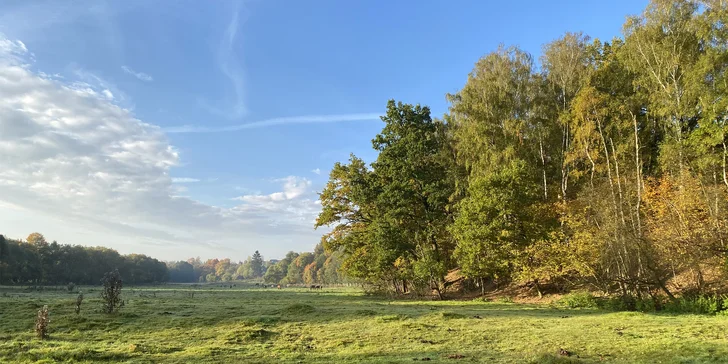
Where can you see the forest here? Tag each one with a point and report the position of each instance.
(37, 262)
(601, 164)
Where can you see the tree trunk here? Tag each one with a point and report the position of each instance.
(725, 155)
(543, 166)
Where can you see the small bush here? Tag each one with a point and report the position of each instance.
(578, 300)
(647, 304)
(111, 293)
(616, 303)
(79, 300)
(42, 322)
(71, 286)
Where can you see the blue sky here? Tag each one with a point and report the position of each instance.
(210, 125)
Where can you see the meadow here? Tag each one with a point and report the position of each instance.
(246, 324)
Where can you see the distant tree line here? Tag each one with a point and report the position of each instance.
(604, 164)
(35, 261)
(307, 268)
(304, 268)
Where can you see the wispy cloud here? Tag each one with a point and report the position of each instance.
(316, 171)
(293, 187)
(86, 164)
(140, 75)
(311, 119)
(232, 68)
(184, 180)
(93, 84)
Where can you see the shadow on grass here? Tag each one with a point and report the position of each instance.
(702, 353)
(177, 308)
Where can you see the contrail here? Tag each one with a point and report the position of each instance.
(311, 119)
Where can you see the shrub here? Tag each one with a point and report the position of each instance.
(41, 323)
(79, 300)
(617, 303)
(697, 305)
(71, 286)
(578, 300)
(647, 305)
(111, 293)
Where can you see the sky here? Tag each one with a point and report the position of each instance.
(179, 128)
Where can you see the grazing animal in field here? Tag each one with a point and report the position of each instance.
(279, 286)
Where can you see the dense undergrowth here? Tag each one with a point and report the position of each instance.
(689, 304)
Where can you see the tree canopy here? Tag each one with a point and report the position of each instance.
(603, 164)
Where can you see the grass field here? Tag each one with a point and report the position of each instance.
(167, 324)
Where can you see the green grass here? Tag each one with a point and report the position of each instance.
(166, 324)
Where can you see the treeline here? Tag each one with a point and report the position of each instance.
(305, 268)
(604, 164)
(217, 270)
(37, 262)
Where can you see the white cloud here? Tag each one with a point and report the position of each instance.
(292, 203)
(140, 75)
(310, 119)
(316, 171)
(11, 48)
(82, 163)
(184, 180)
(94, 85)
(293, 187)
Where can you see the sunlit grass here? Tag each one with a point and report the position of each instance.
(254, 325)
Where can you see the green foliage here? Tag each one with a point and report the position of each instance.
(111, 292)
(605, 164)
(493, 222)
(697, 305)
(256, 265)
(275, 273)
(578, 300)
(39, 263)
(406, 193)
